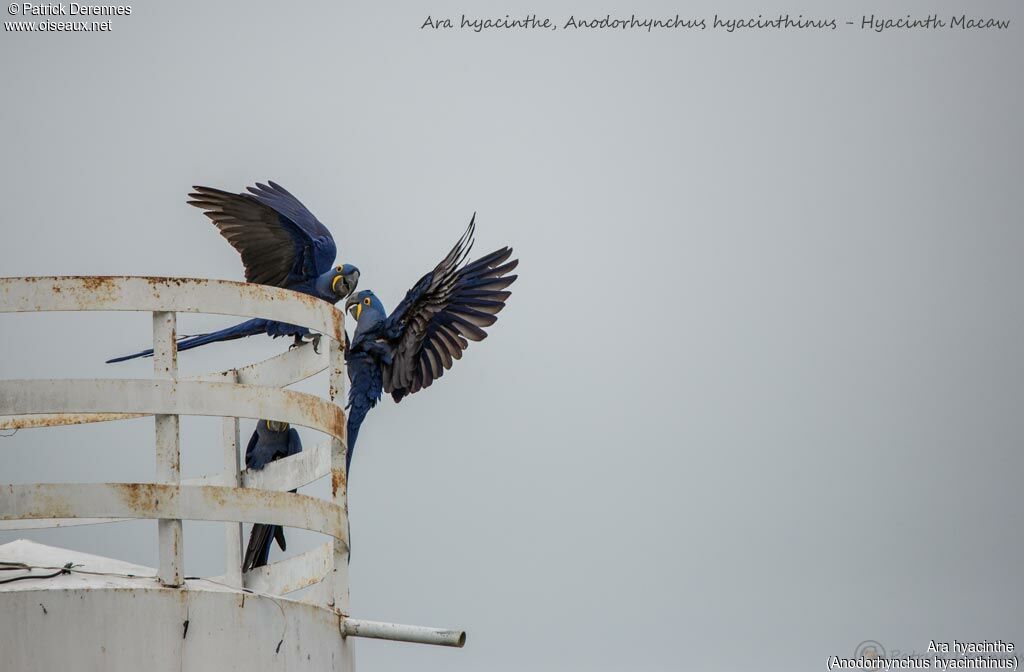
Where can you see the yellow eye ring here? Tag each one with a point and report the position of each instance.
(366, 301)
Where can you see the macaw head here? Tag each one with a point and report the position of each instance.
(366, 309)
(268, 427)
(344, 279)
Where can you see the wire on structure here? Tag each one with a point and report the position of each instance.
(8, 566)
(72, 568)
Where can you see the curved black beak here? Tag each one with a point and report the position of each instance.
(351, 282)
(344, 285)
(352, 306)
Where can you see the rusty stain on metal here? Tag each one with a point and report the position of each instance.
(338, 481)
(58, 419)
(329, 415)
(339, 327)
(55, 504)
(143, 498)
(336, 374)
(98, 283)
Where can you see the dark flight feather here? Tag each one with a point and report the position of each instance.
(280, 241)
(444, 310)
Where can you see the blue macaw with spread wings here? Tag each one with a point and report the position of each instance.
(282, 244)
(409, 349)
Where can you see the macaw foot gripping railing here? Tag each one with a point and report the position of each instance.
(235, 495)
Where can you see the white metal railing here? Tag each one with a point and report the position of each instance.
(254, 391)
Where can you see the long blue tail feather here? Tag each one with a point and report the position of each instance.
(248, 328)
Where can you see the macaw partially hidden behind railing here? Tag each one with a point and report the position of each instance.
(282, 244)
(271, 441)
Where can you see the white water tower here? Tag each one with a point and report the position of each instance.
(63, 610)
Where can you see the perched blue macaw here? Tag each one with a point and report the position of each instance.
(282, 244)
(271, 441)
(405, 351)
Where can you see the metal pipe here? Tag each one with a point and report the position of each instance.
(417, 634)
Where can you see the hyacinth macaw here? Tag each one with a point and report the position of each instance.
(271, 441)
(282, 244)
(409, 349)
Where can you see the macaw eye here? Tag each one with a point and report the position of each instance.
(338, 269)
(366, 301)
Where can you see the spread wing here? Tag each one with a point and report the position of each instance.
(446, 309)
(280, 241)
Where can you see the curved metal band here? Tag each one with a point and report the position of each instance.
(291, 472)
(291, 574)
(288, 473)
(186, 502)
(181, 295)
(54, 523)
(170, 397)
(291, 366)
(37, 420)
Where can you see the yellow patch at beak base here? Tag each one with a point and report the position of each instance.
(334, 283)
(359, 310)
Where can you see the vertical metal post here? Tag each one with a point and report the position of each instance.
(339, 477)
(168, 448)
(232, 467)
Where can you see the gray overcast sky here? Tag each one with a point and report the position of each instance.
(757, 395)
